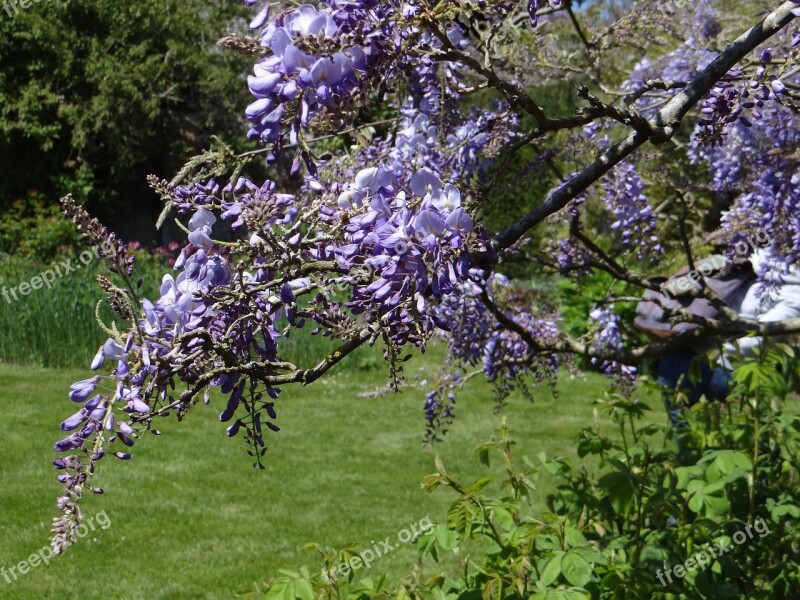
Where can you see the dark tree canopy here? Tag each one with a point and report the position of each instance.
(94, 96)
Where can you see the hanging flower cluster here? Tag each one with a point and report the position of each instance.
(475, 338)
(412, 242)
(635, 220)
(755, 158)
(319, 58)
(608, 336)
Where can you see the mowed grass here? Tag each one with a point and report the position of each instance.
(191, 518)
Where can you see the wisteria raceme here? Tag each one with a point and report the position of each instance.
(571, 257)
(740, 102)
(475, 338)
(412, 242)
(635, 219)
(323, 61)
(755, 159)
(440, 402)
(608, 337)
(174, 341)
(327, 57)
(680, 65)
(466, 152)
(623, 194)
(474, 143)
(315, 58)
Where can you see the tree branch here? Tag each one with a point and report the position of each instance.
(662, 126)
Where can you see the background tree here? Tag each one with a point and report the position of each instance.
(94, 96)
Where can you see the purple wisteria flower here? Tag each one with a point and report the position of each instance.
(608, 337)
(301, 77)
(635, 220)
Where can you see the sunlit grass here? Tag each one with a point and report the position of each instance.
(190, 518)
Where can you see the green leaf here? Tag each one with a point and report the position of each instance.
(575, 569)
(483, 455)
(782, 511)
(504, 518)
(462, 515)
(437, 461)
(479, 485)
(708, 498)
(447, 538)
(574, 537)
(426, 544)
(725, 461)
(282, 589)
(552, 570)
(303, 589)
(619, 488)
(696, 503)
(591, 555)
(547, 541)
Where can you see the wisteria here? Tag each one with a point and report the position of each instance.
(635, 219)
(682, 64)
(471, 325)
(318, 58)
(608, 335)
(322, 61)
(754, 156)
(386, 240)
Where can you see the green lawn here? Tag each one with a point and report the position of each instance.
(190, 517)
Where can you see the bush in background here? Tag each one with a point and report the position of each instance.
(35, 229)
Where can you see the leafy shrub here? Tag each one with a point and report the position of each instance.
(32, 228)
(652, 508)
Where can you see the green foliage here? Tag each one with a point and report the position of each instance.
(33, 228)
(94, 95)
(715, 518)
(56, 326)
